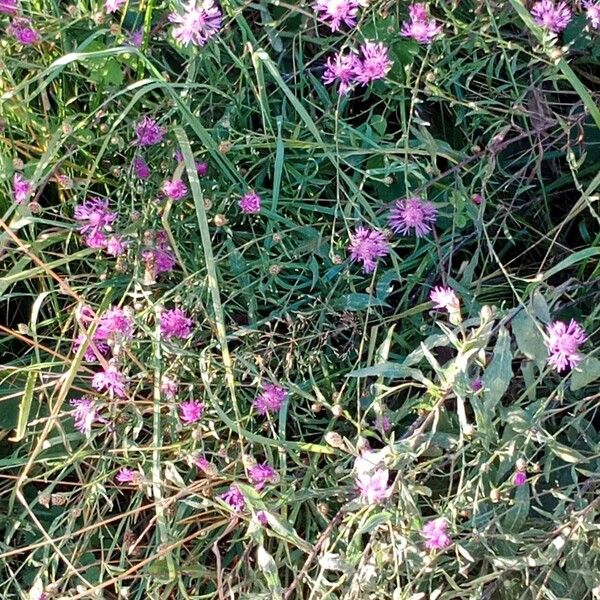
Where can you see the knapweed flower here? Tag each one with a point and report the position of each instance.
(21, 188)
(175, 323)
(94, 215)
(205, 465)
(519, 478)
(190, 411)
(367, 246)
(160, 258)
(412, 215)
(261, 517)
(383, 424)
(341, 67)
(148, 132)
(114, 324)
(420, 27)
(336, 12)
(201, 168)
(476, 384)
(374, 63)
(444, 298)
(90, 354)
(373, 486)
(95, 239)
(592, 13)
(477, 199)
(174, 189)
(250, 203)
(199, 22)
(136, 38)
(436, 534)
(168, 387)
(85, 414)
(141, 168)
(112, 6)
(551, 16)
(9, 7)
(271, 399)
(563, 341)
(234, 497)
(116, 245)
(22, 30)
(370, 460)
(261, 474)
(126, 475)
(110, 380)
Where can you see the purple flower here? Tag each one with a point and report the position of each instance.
(234, 497)
(115, 323)
(199, 22)
(85, 414)
(592, 13)
(519, 478)
(148, 132)
(201, 168)
(476, 384)
(9, 7)
(160, 258)
(383, 424)
(112, 6)
(22, 30)
(175, 323)
(261, 517)
(436, 534)
(94, 215)
(374, 63)
(95, 239)
(563, 343)
(21, 188)
(141, 168)
(174, 189)
(190, 411)
(111, 380)
(341, 67)
(367, 246)
(270, 400)
(413, 213)
(90, 355)
(204, 465)
(261, 474)
(420, 27)
(126, 475)
(477, 199)
(136, 38)
(336, 12)
(168, 387)
(444, 298)
(250, 203)
(373, 486)
(554, 17)
(116, 245)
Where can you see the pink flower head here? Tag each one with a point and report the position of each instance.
(413, 213)
(261, 517)
(436, 534)
(444, 298)
(148, 132)
(85, 414)
(563, 341)
(190, 411)
(201, 20)
(22, 30)
(136, 38)
(551, 16)
(94, 215)
(126, 475)
(367, 246)
(21, 188)
(374, 63)
(175, 323)
(476, 385)
(90, 355)
(250, 203)
(204, 465)
(112, 6)
(342, 68)
(592, 13)
(115, 324)
(336, 12)
(234, 497)
(9, 7)
(110, 380)
(116, 245)
(174, 189)
(519, 478)
(383, 424)
(373, 486)
(161, 256)
(261, 474)
(141, 168)
(271, 399)
(201, 168)
(168, 387)
(420, 27)
(477, 199)
(95, 239)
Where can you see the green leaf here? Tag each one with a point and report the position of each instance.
(586, 372)
(498, 375)
(529, 337)
(356, 302)
(515, 517)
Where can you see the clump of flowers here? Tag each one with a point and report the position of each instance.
(341, 67)
(436, 534)
(190, 411)
(95, 218)
(374, 63)
(563, 341)
(373, 486)
(22, 30)
(198, 23)
(115, 324)
(551, 16)
(175, 323)
(148, 132)
(336, 12)
(250, 203)
(367, 246)
(413, 215)
(420, 27)
(271, 399)
(21, 188)
(85, 414)
(234, 498)
(110, 380)
(261, 474)
(174, 189)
